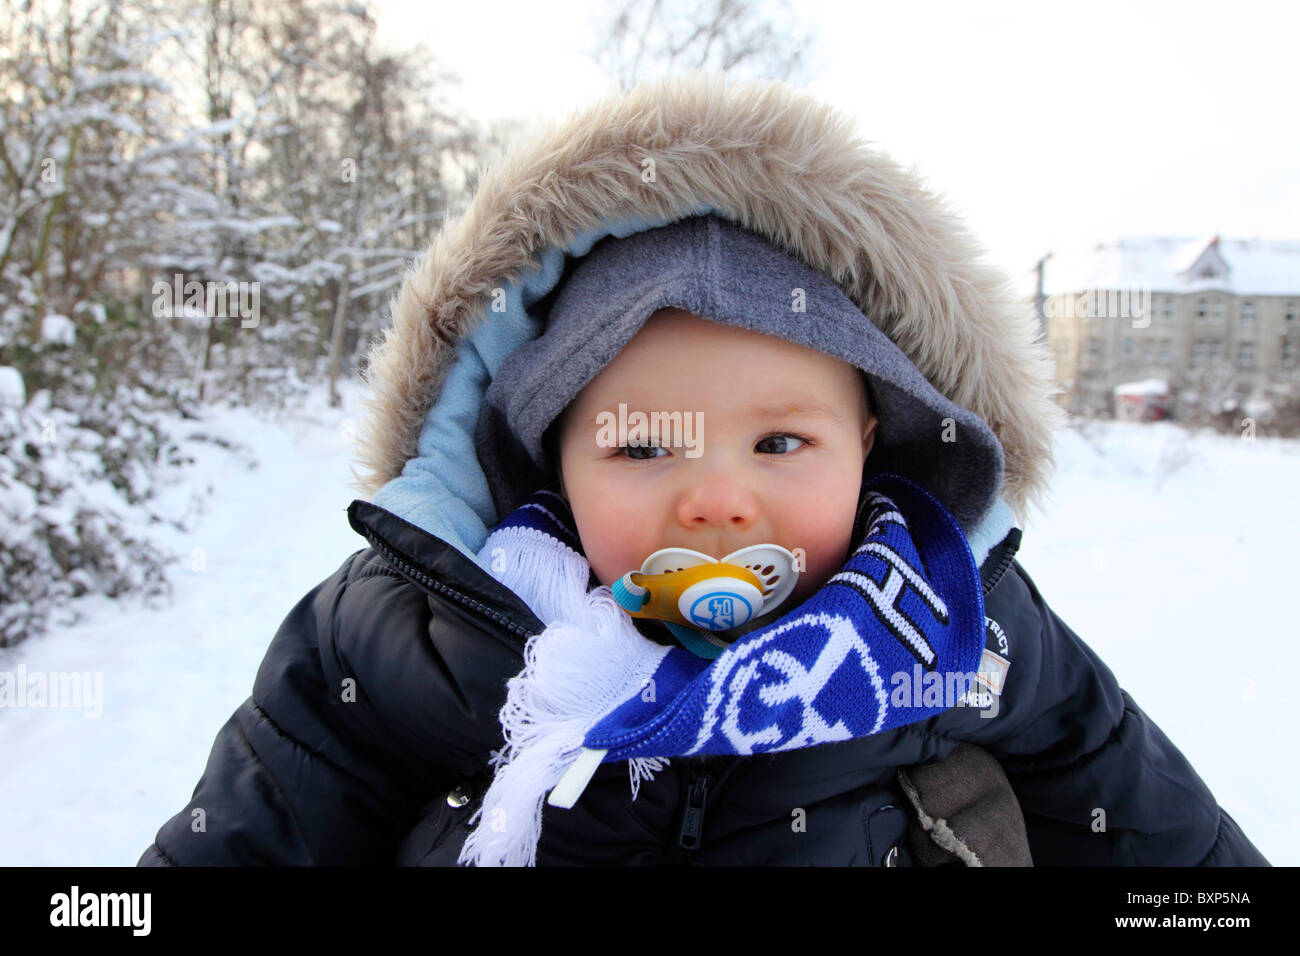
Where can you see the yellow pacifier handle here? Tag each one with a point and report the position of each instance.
(712, 597)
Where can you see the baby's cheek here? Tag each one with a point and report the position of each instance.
(824, 558)
(611, 557)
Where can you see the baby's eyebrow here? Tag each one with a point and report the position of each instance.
(786, 408)
(798, 407)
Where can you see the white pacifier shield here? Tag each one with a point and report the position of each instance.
(675, 559)
(777, 583)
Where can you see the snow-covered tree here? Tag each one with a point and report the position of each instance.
(151, 146)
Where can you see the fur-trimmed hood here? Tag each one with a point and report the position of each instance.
(779, 163)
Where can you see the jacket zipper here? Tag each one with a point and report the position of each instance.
(1008, 555)
(697, 796)
(430, 584)
(690, 836)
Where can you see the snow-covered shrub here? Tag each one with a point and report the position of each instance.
(80, 458)
(63, 528)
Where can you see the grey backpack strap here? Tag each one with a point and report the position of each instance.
(964, 812)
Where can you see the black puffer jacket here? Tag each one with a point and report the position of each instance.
(367, 737)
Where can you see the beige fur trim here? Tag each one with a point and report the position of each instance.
(938, 828)
(781, 164)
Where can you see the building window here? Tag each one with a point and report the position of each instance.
(1246, 354)
(1218, 310)
(1166, 352)
(1204, 351)
(1288, 352)
(1094, 349)
(1248, 314)
(1290, 312)
(1128, 346)
(1169, 310)
(1200, 310)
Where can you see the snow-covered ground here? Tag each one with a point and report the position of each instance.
(1173, 556)
(1170, 554)
(78, 789)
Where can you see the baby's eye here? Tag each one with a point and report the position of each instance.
(635, 452)
(778, 444)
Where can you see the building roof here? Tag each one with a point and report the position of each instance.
(1239, 266)
(1150, 386)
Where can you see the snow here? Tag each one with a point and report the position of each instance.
(1190, 254)
(1169, 553)
(18, 504)
(1260, 409)
(12, 392)
(1172, 556)
(58, 329)
(1150, 386)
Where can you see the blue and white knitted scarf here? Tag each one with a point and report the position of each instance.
(907, 602)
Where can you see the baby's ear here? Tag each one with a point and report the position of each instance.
(869, 435)
(868, 406)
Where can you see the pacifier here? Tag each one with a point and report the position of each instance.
(682, 586)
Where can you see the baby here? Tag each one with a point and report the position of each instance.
(603, 275)
(776, 454)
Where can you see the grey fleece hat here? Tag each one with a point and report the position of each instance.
(719, 271)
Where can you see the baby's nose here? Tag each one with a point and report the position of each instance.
(718, 500)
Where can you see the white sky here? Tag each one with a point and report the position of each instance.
(1048, 126)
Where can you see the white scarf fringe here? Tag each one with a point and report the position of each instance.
(590, 659)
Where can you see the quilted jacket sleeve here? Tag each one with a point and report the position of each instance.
(305, 772)
(1099, 783)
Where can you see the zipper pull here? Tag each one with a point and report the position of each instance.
(693, 818)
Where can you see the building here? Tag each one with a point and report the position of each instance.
(1219, 320)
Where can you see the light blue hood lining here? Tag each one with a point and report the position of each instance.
(443, 489)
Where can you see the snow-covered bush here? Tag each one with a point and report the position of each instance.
(89, 447)
(64, 529)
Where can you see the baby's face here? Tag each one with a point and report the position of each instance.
(778, 435)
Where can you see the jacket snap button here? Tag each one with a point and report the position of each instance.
(458, 798)
(891, 858)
